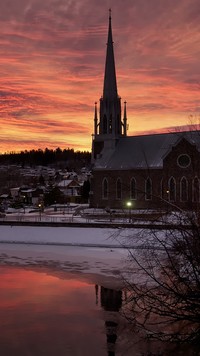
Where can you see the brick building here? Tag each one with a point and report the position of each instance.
(146, 171)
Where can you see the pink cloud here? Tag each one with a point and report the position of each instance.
(52, 56)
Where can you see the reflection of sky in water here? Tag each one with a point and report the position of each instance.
(43, 315)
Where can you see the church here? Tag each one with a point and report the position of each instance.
(148, 171)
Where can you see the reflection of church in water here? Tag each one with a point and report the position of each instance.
(111, 303)
(123, 338)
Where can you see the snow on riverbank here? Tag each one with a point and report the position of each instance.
(101, 251)
(57, 235)
(91, 250)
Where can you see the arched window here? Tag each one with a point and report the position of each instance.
(110, 124)
(148, 189)
(183, 189)
(105, 188)
(195, 190)
(119, 189)
(133, 189)
(172, 189)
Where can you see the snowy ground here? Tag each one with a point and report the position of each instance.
(88, 250)
(100, 251)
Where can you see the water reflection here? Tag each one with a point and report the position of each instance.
(111, 301)
(60, 314)
(42, 314)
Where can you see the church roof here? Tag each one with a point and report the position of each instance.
(148, 151)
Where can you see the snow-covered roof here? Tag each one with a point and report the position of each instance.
(28, 190)
(4, 196)
(15, 189)
(145, 151)
(66, 182)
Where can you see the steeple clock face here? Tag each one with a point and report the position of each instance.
(184, 160)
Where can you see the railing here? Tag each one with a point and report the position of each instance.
(37, 218)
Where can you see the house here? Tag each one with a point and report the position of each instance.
(148, 171)
(71, 189)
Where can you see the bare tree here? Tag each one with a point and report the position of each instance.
(163, 282)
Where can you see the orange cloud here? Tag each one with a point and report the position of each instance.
(52, 56)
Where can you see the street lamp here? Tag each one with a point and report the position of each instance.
(40, 210)
(129, 205)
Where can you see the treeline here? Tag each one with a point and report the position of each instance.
(66, 158)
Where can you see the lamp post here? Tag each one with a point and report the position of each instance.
(40, 210)
(24, 199)
(129, 205)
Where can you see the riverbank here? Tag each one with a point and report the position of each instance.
(102, 251)
(88, 250)
(90, 218)
(93, 224)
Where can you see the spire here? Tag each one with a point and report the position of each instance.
(108, 124)
(95, 119)
(125, 119)
(110, 82)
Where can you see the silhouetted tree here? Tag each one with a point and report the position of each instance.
(164, 281)
(53, 196)
(85, 191)
(41, 180)
(67, 157)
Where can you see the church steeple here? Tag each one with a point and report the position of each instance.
(110, 82)
(109, 127)
(110, 103)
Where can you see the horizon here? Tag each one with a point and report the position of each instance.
(53, 58)
(178, 130)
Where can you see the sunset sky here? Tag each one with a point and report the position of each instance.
(52, 57)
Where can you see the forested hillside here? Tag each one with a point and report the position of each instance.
(67, 158)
